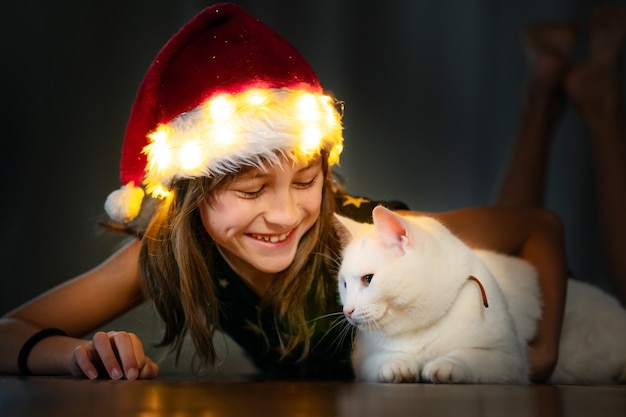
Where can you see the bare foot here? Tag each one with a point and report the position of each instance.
(549, 47)
(594, 86)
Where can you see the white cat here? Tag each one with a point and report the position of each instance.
(428, 308)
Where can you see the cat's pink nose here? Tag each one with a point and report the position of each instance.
(348, 311)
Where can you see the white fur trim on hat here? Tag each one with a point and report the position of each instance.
(230, 131)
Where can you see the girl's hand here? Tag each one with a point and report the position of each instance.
(542, 359)
(113, 355)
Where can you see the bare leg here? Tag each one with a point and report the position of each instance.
(596, 90)
(549, 47)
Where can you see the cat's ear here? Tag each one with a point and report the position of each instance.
(347, 229)
(391, 228)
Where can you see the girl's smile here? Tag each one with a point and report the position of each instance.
(259, 219)
(272, 238)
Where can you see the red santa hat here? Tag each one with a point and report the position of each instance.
(224, 92)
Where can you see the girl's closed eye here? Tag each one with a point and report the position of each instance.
(308, 176)
(250, 194)
(249, 188)
(306, 184)
(253, 190)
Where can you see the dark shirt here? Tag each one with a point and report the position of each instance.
(329, 356)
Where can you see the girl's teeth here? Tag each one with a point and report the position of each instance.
(272, 239)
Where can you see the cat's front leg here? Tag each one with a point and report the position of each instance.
(399, 371)
(472, 366)
(445, 370)
(390, 368)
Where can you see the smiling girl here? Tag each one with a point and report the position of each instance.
(232, 138)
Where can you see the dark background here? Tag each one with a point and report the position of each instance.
(432, 92)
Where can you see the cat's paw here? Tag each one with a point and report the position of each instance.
(444, 371)
(398, 371)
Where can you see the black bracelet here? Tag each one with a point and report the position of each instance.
(22, 358)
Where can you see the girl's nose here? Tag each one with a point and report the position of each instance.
(282, 210)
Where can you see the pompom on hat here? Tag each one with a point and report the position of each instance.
(224, 92)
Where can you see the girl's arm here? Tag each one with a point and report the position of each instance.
(78, 307)
(537, 236)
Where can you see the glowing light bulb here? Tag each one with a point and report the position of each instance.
(160, 155)
(224, 136)
(158, 151)
(160, 134)
(308, 108)
(221, 108)
(158, 191)
(335, 152)
(190, 156)
(256, 98)
(310, 140)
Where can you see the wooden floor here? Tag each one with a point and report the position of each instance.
(50, 397)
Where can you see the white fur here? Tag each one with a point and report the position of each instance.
(422, 319)
(246, 133)
(124, 204)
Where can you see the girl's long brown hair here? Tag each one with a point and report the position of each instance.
(177, 265)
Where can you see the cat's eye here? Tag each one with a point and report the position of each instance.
(367, 279)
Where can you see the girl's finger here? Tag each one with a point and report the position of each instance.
(129, 352)
(107, 354)
(149, 370)
(83, 363)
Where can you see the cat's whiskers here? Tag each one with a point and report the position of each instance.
(340, 321)
(372, 326)
(333, 256)
(340, 325)
(324, 316)
(346, 330)
(366, 319)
